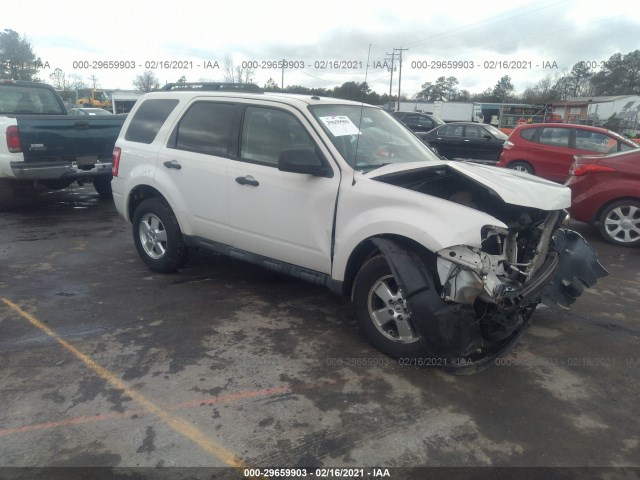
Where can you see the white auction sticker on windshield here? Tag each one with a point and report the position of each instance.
(340, 125)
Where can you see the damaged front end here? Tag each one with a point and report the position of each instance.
(469, 304)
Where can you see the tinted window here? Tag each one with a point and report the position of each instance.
(266, 132)
(148, 120)
(426, 121)
(595, 141)
(474, 132)
(528, 133)
(206, 128)
(451, 131)
(499, 134)
(411, 118)
(558, 137)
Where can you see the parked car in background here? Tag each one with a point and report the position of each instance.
(466, 140)
(547, 149)
(419, 122)
(89, 111)
(606, 190)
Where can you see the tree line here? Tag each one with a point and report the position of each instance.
(619, 75)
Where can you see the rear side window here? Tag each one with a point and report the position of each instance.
(557, 137)
(595, 141)
(528, 133)
(206, 128)
(148, 120)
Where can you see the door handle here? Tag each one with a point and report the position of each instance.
(172, 164)
(248, 180)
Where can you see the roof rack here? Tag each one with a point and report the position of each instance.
(214, 87)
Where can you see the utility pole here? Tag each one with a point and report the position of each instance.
(94, 80)
(393, 55)
(400, 72)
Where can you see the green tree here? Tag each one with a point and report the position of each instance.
(503, 89)
(271, 85)
(358, 92)
(620, 75)
(17, 59)
(443, 89)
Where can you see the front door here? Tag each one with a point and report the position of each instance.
(281, 215)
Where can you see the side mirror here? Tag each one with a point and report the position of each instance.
(300, 160)
(487, 137)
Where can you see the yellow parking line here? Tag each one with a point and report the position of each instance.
(176, 423)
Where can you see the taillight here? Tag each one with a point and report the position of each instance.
(586, 169)
(507, 145)
(115, 161)
(13, 139)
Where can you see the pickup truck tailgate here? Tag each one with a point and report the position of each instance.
(47, 138)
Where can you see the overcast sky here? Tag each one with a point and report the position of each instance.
(483, 32)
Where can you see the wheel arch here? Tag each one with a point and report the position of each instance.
(137, 195)
(366, 250)
(519, 160)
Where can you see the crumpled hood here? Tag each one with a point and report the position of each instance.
(515, 188)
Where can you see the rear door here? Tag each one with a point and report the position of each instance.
(192, 166)
(280, 215)
(550, 152)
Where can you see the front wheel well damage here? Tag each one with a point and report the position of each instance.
(367, 249)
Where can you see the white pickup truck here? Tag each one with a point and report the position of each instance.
(443, 260)
(41, 144)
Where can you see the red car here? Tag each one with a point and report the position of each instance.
(607, 190)
(547, 149)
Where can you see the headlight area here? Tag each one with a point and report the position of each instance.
(467, 273)
(508, 260)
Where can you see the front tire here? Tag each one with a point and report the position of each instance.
(381, 311)
(620, 223)
(522, 167)
(157, 236)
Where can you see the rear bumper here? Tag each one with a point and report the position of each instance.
(59, 171)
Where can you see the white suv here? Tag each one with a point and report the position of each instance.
(443, 260)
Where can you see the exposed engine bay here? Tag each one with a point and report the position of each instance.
(495, 288)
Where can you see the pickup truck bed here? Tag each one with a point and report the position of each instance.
(58, 147)
(40, 144)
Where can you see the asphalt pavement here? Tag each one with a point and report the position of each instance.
(105, 363)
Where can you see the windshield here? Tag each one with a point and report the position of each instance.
(100, 96)
(368, 138)
(16, 99)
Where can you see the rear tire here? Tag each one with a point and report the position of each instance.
(103, 187)
(15, 193)
(157, 236)
(620, 223)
